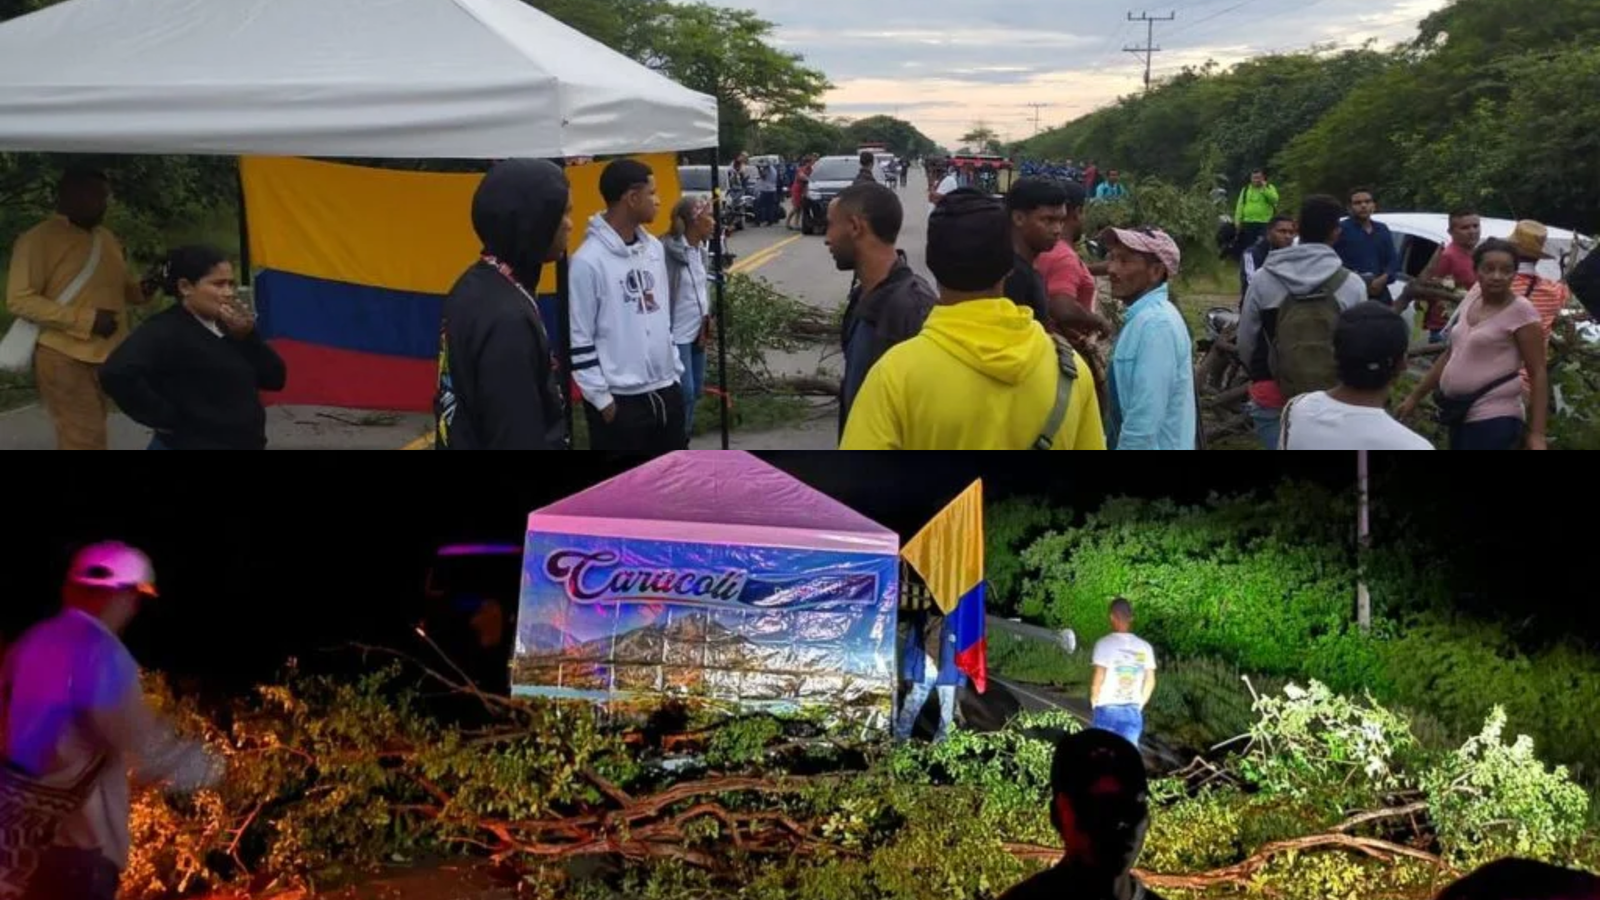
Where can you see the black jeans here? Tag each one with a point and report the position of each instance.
(1504, 433)
(645, 425)
(67, 872)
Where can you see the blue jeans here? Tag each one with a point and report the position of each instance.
(694, 381)
(1268, 424)
(913, 708)
(1125, 721)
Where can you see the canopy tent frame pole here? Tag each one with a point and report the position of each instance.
(564, 335)
(718, 248)
(244, 275)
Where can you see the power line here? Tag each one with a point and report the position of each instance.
(1149, 49)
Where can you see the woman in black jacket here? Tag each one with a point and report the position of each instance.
(193, 371)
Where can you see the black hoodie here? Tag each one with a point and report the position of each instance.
(498, 386)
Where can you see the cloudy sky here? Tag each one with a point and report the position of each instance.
(945, 64)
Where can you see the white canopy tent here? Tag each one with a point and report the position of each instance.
(424, 79)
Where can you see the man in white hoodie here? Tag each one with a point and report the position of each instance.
(623, 357)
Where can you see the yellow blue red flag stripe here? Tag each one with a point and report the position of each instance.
(948, 554)
(354, 263)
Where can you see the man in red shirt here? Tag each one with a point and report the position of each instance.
(1069, 283)
(1452, 262)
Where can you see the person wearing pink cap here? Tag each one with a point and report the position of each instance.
(76, 723)
(1151, 381)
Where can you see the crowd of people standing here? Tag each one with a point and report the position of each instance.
(1006, 348)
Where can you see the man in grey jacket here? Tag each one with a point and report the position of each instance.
(78, 715)
(888, 302)
(1293, 271)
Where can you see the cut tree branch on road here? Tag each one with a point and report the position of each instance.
(1239, 874)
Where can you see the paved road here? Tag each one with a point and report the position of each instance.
(764, 251)
(806, 272)
(288, 428)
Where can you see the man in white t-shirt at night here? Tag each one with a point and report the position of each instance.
(1370, 346)
(1124, 676)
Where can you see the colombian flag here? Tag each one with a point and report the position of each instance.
(948, 554)
(353, 264)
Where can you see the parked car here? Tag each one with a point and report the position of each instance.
(1419, 235)
(830, 176)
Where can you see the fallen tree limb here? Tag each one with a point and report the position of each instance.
(1378, 815)
(807, 386)
(1240, 873)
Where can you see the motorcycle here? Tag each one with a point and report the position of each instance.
(742, 210)
(1221, 376)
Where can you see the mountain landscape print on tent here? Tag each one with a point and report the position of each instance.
(638, 621)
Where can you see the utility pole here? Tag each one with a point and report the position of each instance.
(1036, 107)
(1363, 545)
(1149, 49)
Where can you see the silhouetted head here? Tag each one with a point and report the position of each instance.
(1523, 879)
(969, 244)
(1100, 803)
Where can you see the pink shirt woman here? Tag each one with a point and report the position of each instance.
(1497, 334)
(1483, 347)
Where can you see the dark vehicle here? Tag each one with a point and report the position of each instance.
(472, 592)
(830, 176)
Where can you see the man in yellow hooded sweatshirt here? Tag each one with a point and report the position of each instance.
(982, 374)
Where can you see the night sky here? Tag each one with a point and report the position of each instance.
(255, 566)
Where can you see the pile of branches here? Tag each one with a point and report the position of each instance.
(360, 775)
(650, 826)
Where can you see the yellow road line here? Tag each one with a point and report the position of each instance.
(747, 264)
(761, 257)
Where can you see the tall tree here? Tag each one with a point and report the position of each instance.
(795, 136)
(902, 138)
(983, 139)
(724, 52)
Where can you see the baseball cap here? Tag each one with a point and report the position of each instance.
(1153, 241)
(113, 565)
(1368, 341)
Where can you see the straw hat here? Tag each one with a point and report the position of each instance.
(1529, 238)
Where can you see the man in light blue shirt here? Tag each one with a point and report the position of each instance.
(1151, 381)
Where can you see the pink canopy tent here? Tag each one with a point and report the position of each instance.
(715, 497)
(709, 575)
